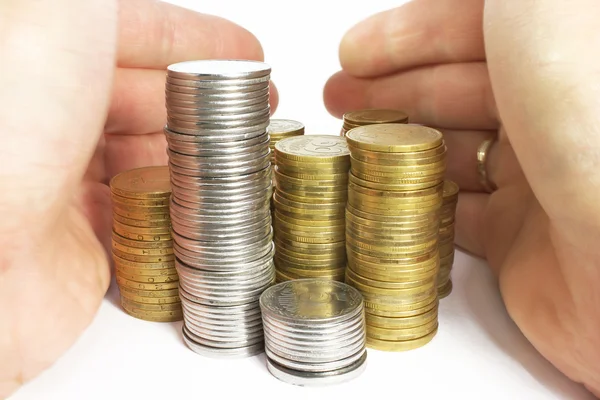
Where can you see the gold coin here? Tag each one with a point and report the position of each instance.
(402, 323)
(307, 265)
(309, 199)
(149, 293)
(125, 201)
(168, 251)
(310, 272)
(278, 127)
(150, 307)
(391, 285)
(318, 186)
(141, 209)
(393, 275)
(142, 183)
(388, 248)
(446, 249)
(154, 316)
(143, 275)
(308, 238)
(142, 223)
(146, 286)
(445, 290)
(402, 244)
(381, 157)
(447, 230)
(141, 234)
(411, 311)
(388, 234)
(397, 306)
(288, 251)
(400, 181)
(405, 345)
(450, 191)
(395, 138)
(391, 185)
(308, 215)
(312, 167)
(388, 295)
(407, 170)
(386, 210)
(374, 116)
(151, 300)
(312, 175)
(153, 259)
(142, 216)
(333, 223)
(278, 198)
(391, 203)
(314, 248)
(147, 278)
(302, 195)
(287, 276)
(407, 196)
(449, 259)
(291, 226)
(143, 266)
(156, 244)
(401, 334)
(318, 148)
(406, 259)
(413, 223)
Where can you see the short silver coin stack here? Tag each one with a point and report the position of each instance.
(219, 162)
(314, 331)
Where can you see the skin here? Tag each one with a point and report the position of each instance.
(522, 72)
(71, 120)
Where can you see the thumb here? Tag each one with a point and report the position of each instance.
(544, 69)
(57, 64)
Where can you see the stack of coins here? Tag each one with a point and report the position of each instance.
(394, 199)
(314, 331)
(142, 247)
(310, 198)
(219, 158)
(354, 119)
(446, 238)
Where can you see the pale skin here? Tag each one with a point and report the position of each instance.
(523, 70)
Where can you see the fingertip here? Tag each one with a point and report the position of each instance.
(343, 93)
(273, 97)
(359, 50)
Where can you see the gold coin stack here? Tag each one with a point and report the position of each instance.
(446, 238)
(310, 198)
(394, 199)
(142, 247)
(354, 119)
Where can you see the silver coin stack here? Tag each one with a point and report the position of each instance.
(219, 161)
(314, 331)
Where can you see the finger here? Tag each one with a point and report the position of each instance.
(125, 152)
(453, 96)
(541, 76)
(138, 102)
(52, 119)
(418, 33)
(154, 34)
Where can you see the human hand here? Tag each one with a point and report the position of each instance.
(525, 72)
(69, 121)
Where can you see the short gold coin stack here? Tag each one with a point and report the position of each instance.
(310, 198)
(394, 200)
(446, 238)
(354, 119)
(142, 246)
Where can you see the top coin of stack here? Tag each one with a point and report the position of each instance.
(354, 119)
(219, 158)
(143, 246)
(310, 198)
(314, 331)
(446, 238)
(279, 129)
(394, 198)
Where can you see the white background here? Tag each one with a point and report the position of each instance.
(477, 354)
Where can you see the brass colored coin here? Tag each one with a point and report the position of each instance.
(125, 201)
(447, 230)
(307, 238)
(142, 216)
(327, 207)
(149, 293)
(406, 345)
(394, 275)
(382, 311)
(392, 184)
(146, 286)
(313, 200)
(141, 209)
(342, 164)
(141, 234)
(167, 251)
(296, 201)
(446, 249)
(414, 223)
(154, 316)
(279, 127)
(298, 194)
(324, 170)
(397, 306)
(151, 300)
(375, 116)
(382, 243)
(445, 290)
(153, 259)
(142, 183)
(401, 334)
(407, 170)
(315, 248)
(393, 295)
(287, 276)
(407, 196)
(450, 191)
(388, 234)
(365, 281)
(161, 244)
(408, 183)
(318, 148)
(310, 272)
(142, 223)
(309, 215)
(386, 157)
(144, 275)
(388, 248)
(143, 266)
(320, 185)
(333, 223)
(402, 323)
(399, 259)
(150, 307)
(394, 203)
(395, 138)
(312, 175)
(449, 259)
(283, 249)
(281, 260)
(291, 226)
(147, 278)
(391, 211)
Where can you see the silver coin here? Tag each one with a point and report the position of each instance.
(219, 118)
(229, 299)
(218, 126)
(315, 354)
(222, 137)
(314, 367)
(250, 203)
(222, 172)
(219, 262)
(193, 109)
(218, 311)
(219, 69)
(240, 352)
(201, 100)
(318, 339)
(223, 149)
(227, 163)
(237, 85)
(307, 346)
(246, 179)
(211, 290)
(224, 233)
(316, 332)
(186, 92)
(226, 277)
(304, 378)
(219, 342)
(235, 283)
(212, 193)
(215, 223)
(238, 333)
(244, 320)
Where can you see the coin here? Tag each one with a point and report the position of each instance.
(142, 183)
(313, 148)
(394, 138)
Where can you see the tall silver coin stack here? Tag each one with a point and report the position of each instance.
(219, 161)
(314, 331)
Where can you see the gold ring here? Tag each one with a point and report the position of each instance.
(482, 153)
